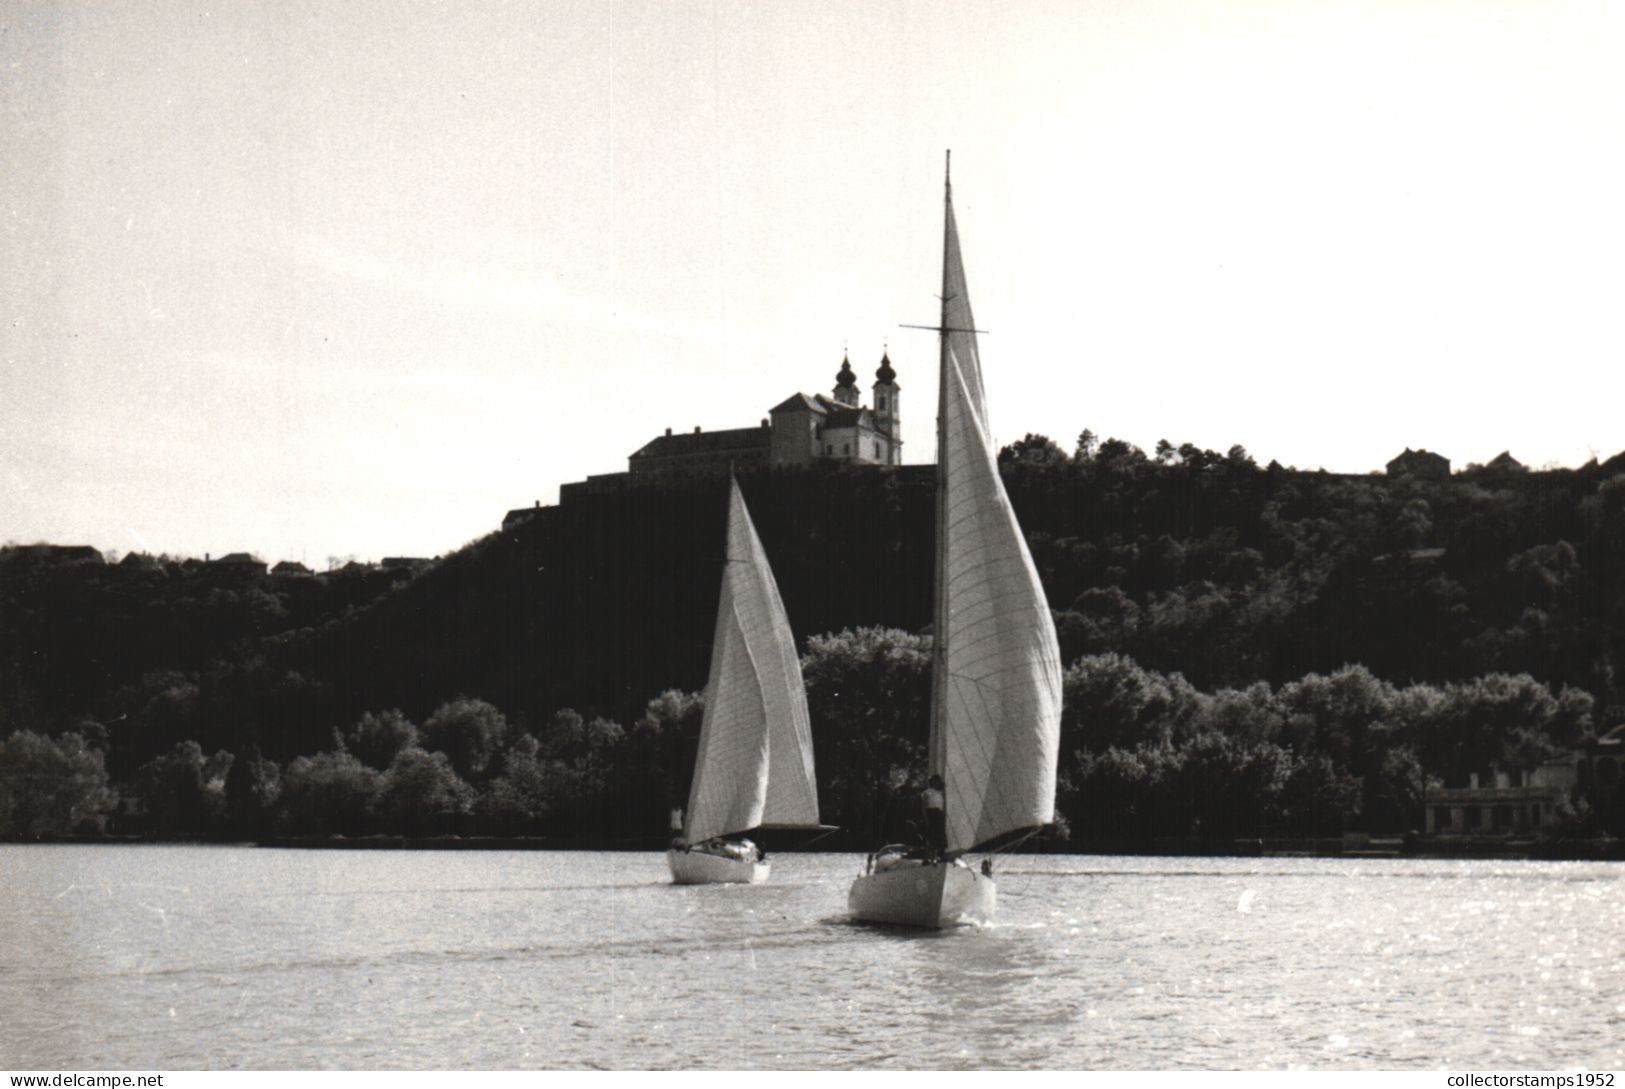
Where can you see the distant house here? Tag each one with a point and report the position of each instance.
(239, 563)
(60, 554)
(1420, 464)
(1504, 462)
(291, 567)
(405, 563)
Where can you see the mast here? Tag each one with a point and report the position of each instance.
(997, 673)
(936, 761)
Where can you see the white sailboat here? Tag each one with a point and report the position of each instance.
(755, 763)
(996, 668)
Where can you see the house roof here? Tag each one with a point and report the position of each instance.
(705, 442)
(70, 553)
(241, 558)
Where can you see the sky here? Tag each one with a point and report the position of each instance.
(317, 280)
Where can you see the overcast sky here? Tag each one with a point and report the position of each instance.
(316, 279)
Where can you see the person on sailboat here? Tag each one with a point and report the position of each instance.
(936, 821)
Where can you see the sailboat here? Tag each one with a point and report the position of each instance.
(755, 764)
(996, 665)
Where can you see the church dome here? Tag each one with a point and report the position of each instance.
(885, 373)
(845, 377)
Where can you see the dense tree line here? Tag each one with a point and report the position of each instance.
(1144, 755)
(1209, 611)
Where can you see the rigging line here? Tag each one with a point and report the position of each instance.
(943, 328)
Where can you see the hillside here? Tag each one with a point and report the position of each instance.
(1203, 569)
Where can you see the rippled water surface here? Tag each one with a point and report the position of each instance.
(195, 957)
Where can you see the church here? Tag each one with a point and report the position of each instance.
(802, 430)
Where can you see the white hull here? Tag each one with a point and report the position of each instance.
(699, 868)
(933, 895)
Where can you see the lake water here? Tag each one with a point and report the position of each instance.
(198, 957)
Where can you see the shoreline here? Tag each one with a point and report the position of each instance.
(1452, 847)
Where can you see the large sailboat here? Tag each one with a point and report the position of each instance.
(996, 666)
(755, 763)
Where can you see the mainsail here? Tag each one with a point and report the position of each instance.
(996, 687)
(755, 762)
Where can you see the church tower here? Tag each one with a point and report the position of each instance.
(846, 384)
(888, 412)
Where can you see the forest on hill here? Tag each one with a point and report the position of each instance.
(1250, 650)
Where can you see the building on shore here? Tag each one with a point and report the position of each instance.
(1494, 801)
(1527, 801)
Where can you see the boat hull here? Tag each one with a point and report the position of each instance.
(700, 868)
(934, 895)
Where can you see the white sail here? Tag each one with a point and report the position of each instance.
(755, 763)
(996, 709)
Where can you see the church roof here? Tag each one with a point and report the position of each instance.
(846, 417)
(705, 442)
(799, 402)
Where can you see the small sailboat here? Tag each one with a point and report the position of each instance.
(996, 666)
(755, 764)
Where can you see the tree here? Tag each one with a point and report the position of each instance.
(1111, 702)
(1033, 449)
(518, 801)
(330, 793)
(183, 791)
(378, 737)
(422, 795)
(50, 789)
(1497, 720)
(869, 697)
(661, 750)
(468, 731)
(252, 788)
(1317, 797)
(1119, 794)
(1348, 715)
(1230, 787)
(583, 759)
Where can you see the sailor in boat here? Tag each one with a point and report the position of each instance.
(740, 850)
(933, 849)
(936, 821)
